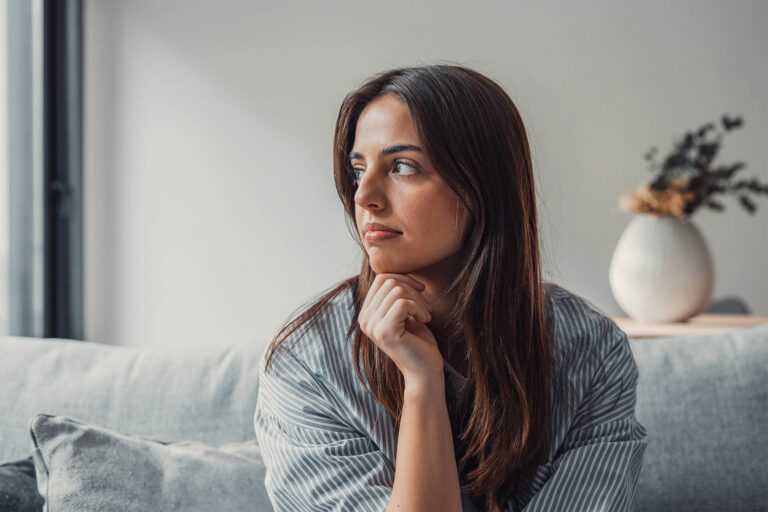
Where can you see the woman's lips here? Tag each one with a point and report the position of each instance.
(375, 235)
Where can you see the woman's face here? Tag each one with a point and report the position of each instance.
(398, 187)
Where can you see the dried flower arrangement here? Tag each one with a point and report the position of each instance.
(687, 179)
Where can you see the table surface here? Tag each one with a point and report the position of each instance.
(699, 324)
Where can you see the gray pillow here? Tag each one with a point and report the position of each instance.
(83, 468)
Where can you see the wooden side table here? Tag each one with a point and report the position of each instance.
(700, 324)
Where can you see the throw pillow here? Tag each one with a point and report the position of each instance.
(18, 490)
(84, 468)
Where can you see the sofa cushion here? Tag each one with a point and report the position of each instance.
(703, 401)
(197, 393)
(84, 468)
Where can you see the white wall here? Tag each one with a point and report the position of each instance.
(210, 207)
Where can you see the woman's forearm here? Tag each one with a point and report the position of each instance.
(426, 477)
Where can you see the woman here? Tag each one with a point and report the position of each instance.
(447, 375)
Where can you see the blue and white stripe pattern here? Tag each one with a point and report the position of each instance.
(328, 445)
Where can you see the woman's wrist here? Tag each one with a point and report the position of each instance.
(425, 384)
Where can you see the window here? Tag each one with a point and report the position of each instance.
(40, 247)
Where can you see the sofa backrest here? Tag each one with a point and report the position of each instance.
(704, 402)
(204, 394)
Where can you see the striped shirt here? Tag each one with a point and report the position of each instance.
(328, 445)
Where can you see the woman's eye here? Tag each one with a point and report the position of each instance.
(352, 173)
(415, 171)
(355, 177)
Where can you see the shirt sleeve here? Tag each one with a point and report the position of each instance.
(600, 460)
(314, 461)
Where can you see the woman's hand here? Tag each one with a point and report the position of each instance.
(393, 316)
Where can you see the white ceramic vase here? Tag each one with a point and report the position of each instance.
(661, 269)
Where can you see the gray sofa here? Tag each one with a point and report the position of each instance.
(703, 400)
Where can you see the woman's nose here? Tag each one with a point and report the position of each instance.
(370, 190)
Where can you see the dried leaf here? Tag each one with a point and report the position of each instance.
(714, 205)
(731, 123)
(748, 204)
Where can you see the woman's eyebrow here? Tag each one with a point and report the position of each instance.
(387, 151)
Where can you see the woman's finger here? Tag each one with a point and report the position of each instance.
(421, 313)
(373, 290)
(405, 282)
(404, 278)
(375, 297)
(393, 326)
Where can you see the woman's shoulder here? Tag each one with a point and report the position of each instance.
(318, 342)
(579, 328)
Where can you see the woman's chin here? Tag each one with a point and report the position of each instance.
(386, 267)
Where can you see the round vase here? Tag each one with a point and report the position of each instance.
(661, 269)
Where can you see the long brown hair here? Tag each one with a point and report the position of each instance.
(474, 137)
